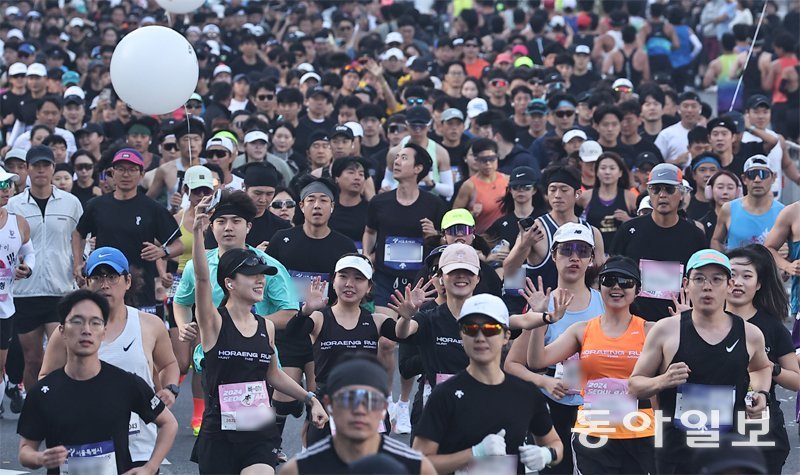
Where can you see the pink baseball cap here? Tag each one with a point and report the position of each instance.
(503, 58)
(129, 155)
(520, 49)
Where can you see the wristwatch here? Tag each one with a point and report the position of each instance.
(766, 395)
(166, 251)
(776, 369)
(173, 388)
(310, 396)
(554, 456)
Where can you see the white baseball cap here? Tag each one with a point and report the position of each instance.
(37, 69)
(15, 33)
(17, 68)
(307, 67)
(573, 232)
(358, 263)
(5, 176)
(198, 176)
(573, 134)
(476, 107)
(311, 75)
(590, 151)
(77, 22)
(396, 53)
(487, 305)
(358, 131)
(757, 161)
(256, 135)
(222, 68)
(645, 204)
(75, 91)
(622, 82)
(394, 37)
(224, 142)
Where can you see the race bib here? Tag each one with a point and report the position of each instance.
(302, 282)
(611, 395)
(660, 280)
(514, 281)
(491, 465)
(90, 459)
(134, 424)
(427, 388)
(245, 406)
(402, 253)
(6, 280)
(173, 289)
(704, 407)
(569, 371)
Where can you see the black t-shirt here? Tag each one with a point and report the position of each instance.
(306, 126)
(368, 151)
(264, 228)
(240, 67)
(10, 103)
(644, 146)
(505, 110)
(627, 153)
(62, 411)
(777, 339)
(125, 225)
(399, 229)
(697, 209)
(350, 220)
(641, 238)
(578, 84)
(515, 405)
(83, 194)
(506, 227)
(439, 341)
(457, 155)
(42, 202)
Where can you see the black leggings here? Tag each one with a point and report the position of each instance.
(563, 421)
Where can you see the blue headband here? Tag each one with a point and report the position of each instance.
(565, 104)
(706, 159)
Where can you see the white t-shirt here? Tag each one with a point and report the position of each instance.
(673, 141)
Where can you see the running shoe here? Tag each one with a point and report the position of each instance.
(281, 456)
(17, 397)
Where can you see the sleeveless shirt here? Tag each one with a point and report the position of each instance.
(10, 242)
(334, 340)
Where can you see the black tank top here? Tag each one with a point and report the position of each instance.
(235, 359)
(723, 364)
(627, 67)
(601, 215)
(321, 458)
(335, 340)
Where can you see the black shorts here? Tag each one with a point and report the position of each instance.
(6, 333)
(34, 312)
(294, 351)
(215, 456)
(617, 456)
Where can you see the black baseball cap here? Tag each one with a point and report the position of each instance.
(737, 118)
(258, 174)
(647, 157)
(419, 65)
(758, 100)
(89, 128)
(418, 115)
(722, 122)
(522, 176)
(242, 261)
(39, 153)
(342, 131)
(689, 96)
(625, 267)
(318, 135)
(317, 90)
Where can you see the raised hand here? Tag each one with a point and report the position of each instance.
(316, 298)
(561, 300)
(407, 304)
(680, 304)
(536, 297)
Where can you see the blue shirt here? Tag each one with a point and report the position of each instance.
(746, 228)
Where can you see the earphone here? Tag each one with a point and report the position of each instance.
(329, 408)
(230, 286)
(709, 188)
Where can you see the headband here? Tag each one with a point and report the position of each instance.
(562, 176)
(316, 187)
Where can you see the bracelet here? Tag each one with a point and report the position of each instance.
(310, 396)
(545, 319)
(553, 454)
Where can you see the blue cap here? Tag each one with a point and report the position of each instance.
(108, 256)
(705, 257)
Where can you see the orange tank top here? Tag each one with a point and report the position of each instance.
(606, 365)
(777, 95)
(489, 196)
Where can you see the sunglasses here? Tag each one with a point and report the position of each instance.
(202, 191)
(352, 399)
(657, 189)
(564, 114)
(4, 185)
(622, 89)
(612, 280)
(283, 204)
(760, 173)
(488, 329)
(417, 126)
(459, 230)
(522, 187)
(84, 166)
(250, 261)
(498, 82)
(535, 82)
(266, 97)
(415, 101)
(397, 129)
(284, 65)
(170, 147)
(584, 251)
(216, 153)
(486, 159)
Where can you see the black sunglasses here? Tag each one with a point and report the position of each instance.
(216, 153)
(170, 147)
(266, 97)
(84, 166)
(250, 261)
(396, 129)
(612, 280)
(657, 189)
(760, 173)
(564, 114)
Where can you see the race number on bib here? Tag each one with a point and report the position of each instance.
(704, 407)
(491, 465)
(134, 424)
(302, 282)
(245, 406)
(173, 289)
(6, 279)
(90, 459)
(569, 371)
(402, 253)
(660, 280)
(611, 396)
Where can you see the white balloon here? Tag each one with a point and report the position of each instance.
(154, 70)
(180, 6)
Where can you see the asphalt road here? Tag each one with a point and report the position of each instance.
(179, 456)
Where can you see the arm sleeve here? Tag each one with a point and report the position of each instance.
(26, 253)
(697, 46)
(445, 186)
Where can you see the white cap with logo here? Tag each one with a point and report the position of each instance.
(487, 305)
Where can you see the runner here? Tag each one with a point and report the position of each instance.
(722, 188)
(62, 409)
(610, 202)
(496, 441)
(134, 341)
(238, 432)
(604, 375)
(758, 297)
(787, 231)
(705, 369)
(357, 389)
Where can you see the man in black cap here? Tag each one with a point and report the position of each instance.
(318, 108)
(358, 388)
(369, 116)
(350, 213)
(260, 181)
(90, 138)
(320, 154)
(440, 180)
(74, 112)
(562, 109)
(167, 181)
(522, 184)
(341, 141)
(721, 131)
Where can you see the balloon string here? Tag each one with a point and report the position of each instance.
(749, 53)
(188, 131)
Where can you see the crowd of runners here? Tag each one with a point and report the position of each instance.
(460, 236)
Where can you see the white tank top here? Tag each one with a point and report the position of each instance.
(10, 242)
(127, 352)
